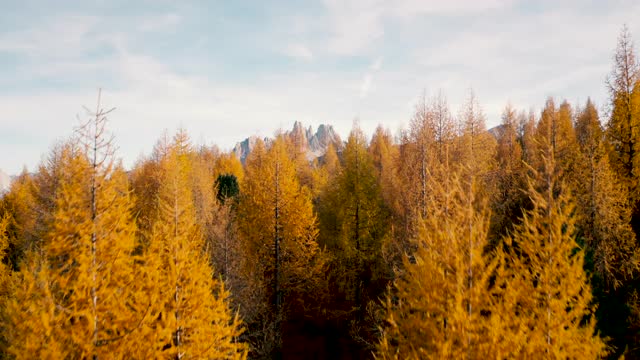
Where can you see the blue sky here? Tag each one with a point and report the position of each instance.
(225, 70)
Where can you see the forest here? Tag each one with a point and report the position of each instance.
(444, 241)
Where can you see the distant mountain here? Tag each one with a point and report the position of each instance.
(314, 145)
(5, 181)
(496, 131)
(244, 148)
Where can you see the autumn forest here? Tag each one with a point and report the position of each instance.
(446, 240)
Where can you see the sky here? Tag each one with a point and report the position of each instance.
(225, 70)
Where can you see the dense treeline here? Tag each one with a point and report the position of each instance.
(446, 241)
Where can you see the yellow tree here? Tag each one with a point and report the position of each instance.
(358, 272)
(223, 243)
(443, 127)
(5, 269)
(384, 154)
(476, 145)
(526, 135)
(623, 126)
(145, 180)
(604, 206)
(611, 247)
(556, 128)
(441, 305)
(89, 248)
(191, 317)
(144, 183)
(550, 309)
(32, 323)
(509, 149)
(507, 198)
(213, 180)
(5, 275)
(31, 202)
(278, 229)
(227, 163)
(416, 155)
(84, 265)
(326, 199)
(28, 312)
(27, 223)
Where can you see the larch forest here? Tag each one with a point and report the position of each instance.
(444, 241)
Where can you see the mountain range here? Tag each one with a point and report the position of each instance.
(314, 144)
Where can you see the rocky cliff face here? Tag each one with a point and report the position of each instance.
(243, 148)
(314, 145)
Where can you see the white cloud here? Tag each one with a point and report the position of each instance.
(366, 85)
(153, 97)
(298, 51)
(357, 25)
(413, 8)
(64, 37)
(519, 58)
(367, 80)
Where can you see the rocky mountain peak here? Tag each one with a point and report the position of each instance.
(313, 144)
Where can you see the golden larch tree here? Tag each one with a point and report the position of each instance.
(83, 269)
(475, 146)
(441, 306)
(278, 230)
(191, 315)
(507, 196)
(612, 254)
(550, 308)
(623, 126)
(32, 323)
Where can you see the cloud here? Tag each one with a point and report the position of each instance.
(504, 54)
(355, 24)
(414, 8)
(367, 80)
(64, 37)
(366, 85)
(358, 25)
(299, 52)
(151, 97)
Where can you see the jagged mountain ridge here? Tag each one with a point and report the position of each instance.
(314, 145)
